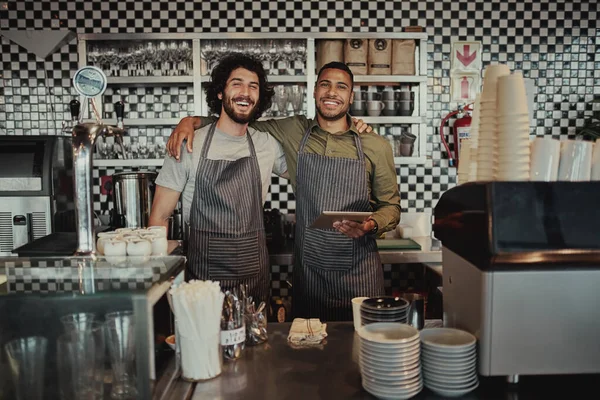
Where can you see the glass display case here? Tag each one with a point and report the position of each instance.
(51, 307)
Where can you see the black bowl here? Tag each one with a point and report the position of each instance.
(385, 303)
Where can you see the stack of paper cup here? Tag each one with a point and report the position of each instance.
(575, 161)
(464, 162)
(545, 156)
(474, 139)
(513, 161)
(487, 129)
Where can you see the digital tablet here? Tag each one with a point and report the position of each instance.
(327, 218)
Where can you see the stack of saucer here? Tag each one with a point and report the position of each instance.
(390, 360)
(449, 359)
(384, 309)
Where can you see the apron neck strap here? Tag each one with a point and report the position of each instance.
(359, 150)
(211, 133)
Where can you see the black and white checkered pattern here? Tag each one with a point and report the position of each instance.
(150, 102)
(64, 276)
(555, 43)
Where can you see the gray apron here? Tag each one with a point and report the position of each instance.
(227, 238)
(329, 267)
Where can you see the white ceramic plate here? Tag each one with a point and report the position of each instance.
(390, 366)
(409, 344)
(451, 392)
(397, 350)
(389, 374)
(449, 351)
(448, 339)
(386, 393)
(391, 358)
(388, 333)
(446, 371)
(390, 382)
(446, 361)
(441, 366)
(445, 355)
(445, 380)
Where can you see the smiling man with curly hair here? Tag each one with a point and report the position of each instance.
(223, 183)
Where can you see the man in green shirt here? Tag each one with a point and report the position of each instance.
(331, 168)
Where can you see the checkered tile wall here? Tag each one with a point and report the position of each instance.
(553, 42)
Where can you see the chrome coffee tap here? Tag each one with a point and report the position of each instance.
(120, 111)
(75, 109)
(84, 137)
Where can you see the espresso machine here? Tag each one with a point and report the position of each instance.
(521, 272)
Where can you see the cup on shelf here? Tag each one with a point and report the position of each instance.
(405, 108)
(374, 108)
(389, 109)
(388, 95)
(358, 107)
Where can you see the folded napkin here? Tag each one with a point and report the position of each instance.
(307, 331)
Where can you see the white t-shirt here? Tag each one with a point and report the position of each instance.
(181, 176)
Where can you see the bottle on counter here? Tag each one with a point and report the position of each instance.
(233, 327)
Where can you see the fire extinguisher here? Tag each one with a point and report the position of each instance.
(460, 131)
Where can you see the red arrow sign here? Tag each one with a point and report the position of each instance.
(465, 57)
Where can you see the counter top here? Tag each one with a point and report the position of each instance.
(431, 252)
(275, 370)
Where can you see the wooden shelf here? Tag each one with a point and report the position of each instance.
(273, 78)
(129, 163)
(389, 79)
(140, 121)
(392, 120)
(149, 80)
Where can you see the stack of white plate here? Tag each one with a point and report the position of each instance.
(449, 358)
(384, 309)
(390, 360)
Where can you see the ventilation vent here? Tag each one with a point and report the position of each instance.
(38, 225)
(6, 233)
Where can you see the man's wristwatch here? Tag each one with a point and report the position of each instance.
(375, 228)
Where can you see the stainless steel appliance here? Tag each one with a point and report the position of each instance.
(521, 271)
(35, 187)
(132, 198)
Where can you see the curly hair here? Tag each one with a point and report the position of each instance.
(220, 74)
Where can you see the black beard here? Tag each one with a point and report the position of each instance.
(236, 117)
(340, 115)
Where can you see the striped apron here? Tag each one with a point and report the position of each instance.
(329, 267)
(227, 238)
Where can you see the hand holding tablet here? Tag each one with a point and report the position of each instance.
(327, 218)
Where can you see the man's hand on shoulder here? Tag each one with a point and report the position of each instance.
(183, 131)
(361, 126)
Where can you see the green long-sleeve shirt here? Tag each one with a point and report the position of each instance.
(381, 173)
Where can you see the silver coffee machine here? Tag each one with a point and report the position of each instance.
(521, 271)
(36, 185)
